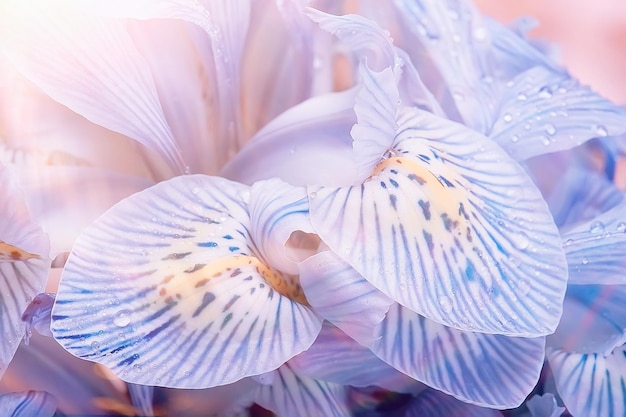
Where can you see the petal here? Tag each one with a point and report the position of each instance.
(141, 397)
(68, 54)
(342, 296)
(28, 404)
(596, 249)
(590, 384)
(294, 394)
(456, 39)
(170, 278)
(487, 370)
(544, 111)
(544, 406)
(594, 320)
(336, 358)
(38, 315)
(24, 264)
(297, 143)
(277, 211)
(434, 403)
(452, 228)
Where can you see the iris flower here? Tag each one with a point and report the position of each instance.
(404, 210)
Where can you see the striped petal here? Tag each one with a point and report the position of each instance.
(68, 54)
(596, 249)
(434, 403)
(342, 296)
(545, 111)
(142, 397)
(38, 314)
(487, 370)
(294, 394)
(594, 319)
(168, 289)
(591, 384)
(28, 404)
(24, 264)
(450, 227)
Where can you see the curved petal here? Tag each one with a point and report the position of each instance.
(544, 111)
(544, 406)
(434, 403)
(68, 54)
(342, 296)
(24, 264)
(293, 394)
(487, 370)
(38, 315)
(28, 404)
(594, 320)
(142, 397)
(277, 210)
(336, 358)
(596, 249)
(169, 291)
(590, 384)
(297, 143)
(452, 228)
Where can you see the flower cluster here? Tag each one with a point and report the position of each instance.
(320, 208)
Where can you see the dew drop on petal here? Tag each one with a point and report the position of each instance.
(568, 242)
(550, 129)
(621, 227)
(514, 138)
(545, 140)
(507, 117)
(313, 195)
(122, 318)
(585, 260)
(523, 287)
(521, 97)
(521, 241)
(545, 92)
(601, 131)
(95, 345)
(596, 227)
(445, 303)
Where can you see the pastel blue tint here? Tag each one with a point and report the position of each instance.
(142, 397)
(154, 291)
(594, 319)
(591, 384)
(543, 111)
(544, 406)
(28, 404)
(487, 370)
(448, 225)
(434, 403)
(38, 315)
(294, 394)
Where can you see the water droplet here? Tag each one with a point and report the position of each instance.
(95, 345)
(514, 138)
(521, 97)
(480, 33)
(521, 241)
(445, 303)
(523, 287)
(458, 96)
(621, 227)
(545, 140)
(527, 126)
(568, 242)
(550, 129)
(596, 227)
(585, 260)
(601, 131)
(545, 92)
(195, 190)
(122, 318)
(507, 117)
(313, 195)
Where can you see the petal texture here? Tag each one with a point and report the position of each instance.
(28, 404)
(168, 289)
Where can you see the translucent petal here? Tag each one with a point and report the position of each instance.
(38, 314)
(295, 144)
(24, 264)
(544, 111)
(590, 384)
(452, 228)
(434, 403)
(487, 370)
(141, 397)
(293, 394)
(278, 210)
(28, 404)
(459, 43)
(336, 358)
(68, 54)
(594, 320)
(342, 296)
(544, 406)
(596, 249)
(167, 289)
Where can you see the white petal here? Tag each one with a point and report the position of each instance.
(24, 264)
(142, 397)
(590, 384)
(69, 55)
(170, 277)
(38, 314)
(293, 394)
(452, 228)
(28, 404)
(487, 370)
